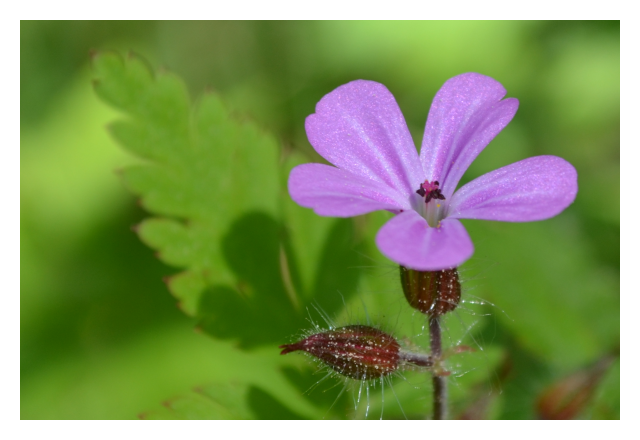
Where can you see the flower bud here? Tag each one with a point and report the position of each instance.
(433, 293)
(355, 351)
(569, 397)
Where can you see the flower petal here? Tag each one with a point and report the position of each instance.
(408, 240)
(334, 192)
(359, 128)
(532, 189)
(466, 114)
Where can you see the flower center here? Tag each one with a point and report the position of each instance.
(430, 191)
(432, 209)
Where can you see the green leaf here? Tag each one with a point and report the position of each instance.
(204, 171)
(217, 192)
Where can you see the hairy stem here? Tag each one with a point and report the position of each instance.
(422, 360)
(439, 382)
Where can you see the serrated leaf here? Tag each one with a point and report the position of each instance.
(218, 192)
(205, 171)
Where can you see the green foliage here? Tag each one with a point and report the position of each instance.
(215, 186)
(228, 401)
(246, 262)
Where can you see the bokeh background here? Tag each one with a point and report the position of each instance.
(101, 336)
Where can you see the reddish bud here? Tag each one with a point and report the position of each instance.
(355, 351)
(566, 399)
(433, 293)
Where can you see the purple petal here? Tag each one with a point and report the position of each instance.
(359, 128)
(532, 189)
(408, 240)
(334, 192)
(466, 114)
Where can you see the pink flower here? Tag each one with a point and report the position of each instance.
(359, 128)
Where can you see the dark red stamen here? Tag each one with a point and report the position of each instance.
(430, 190)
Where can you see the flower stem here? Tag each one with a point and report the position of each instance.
(439, 382)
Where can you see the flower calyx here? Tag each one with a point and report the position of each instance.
(433, 293)
(359, 352)
(355, 351)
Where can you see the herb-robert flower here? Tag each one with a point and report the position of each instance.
(360, 129)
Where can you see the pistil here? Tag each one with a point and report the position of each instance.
(433, 209)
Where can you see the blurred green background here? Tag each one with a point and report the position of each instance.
(101, 336)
